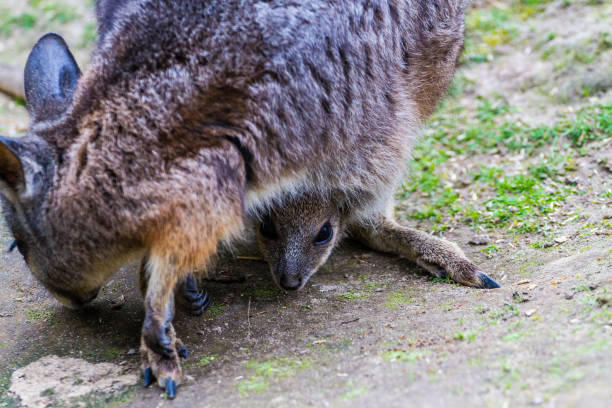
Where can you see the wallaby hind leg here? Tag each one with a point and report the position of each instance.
(440, 257)
(188, 296)
(159, 347)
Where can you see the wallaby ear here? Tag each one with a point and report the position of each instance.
(51, 76)
(12, 179)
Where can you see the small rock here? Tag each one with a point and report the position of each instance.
(537, 401)
(561, 239)
(520, 298)
(118, 302)
(604, 301)
(593, 285)
(606, 163)
(607, 216)
(523, 281)
(530, 312)
(131, 351)
(482, 239)
(60, 381)
(569, 295)
(574, 321)
(571, 181)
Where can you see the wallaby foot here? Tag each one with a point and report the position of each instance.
(439, 257)
(163, 368)
(190, 298)
(467, 274)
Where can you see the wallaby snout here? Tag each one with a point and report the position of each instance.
(290, 281)
(289, 272)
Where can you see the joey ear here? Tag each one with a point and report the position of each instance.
(12, 177)
(51, 76)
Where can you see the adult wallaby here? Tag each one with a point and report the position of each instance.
(297, 236)
(193, 114)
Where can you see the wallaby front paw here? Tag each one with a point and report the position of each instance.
(190, 298)
(161, 363)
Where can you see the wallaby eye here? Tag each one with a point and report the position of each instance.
(266, 228)
(325, 234)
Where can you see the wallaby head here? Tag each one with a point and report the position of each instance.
(297, 237)
(27, 166)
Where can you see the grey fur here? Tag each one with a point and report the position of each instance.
(193, 114)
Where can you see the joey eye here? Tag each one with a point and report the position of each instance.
(266, 228)
(325, 234)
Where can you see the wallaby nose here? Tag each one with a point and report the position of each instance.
(290, 282)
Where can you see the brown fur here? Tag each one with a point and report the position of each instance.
(193, 114)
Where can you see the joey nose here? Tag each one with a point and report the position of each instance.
(290, 282)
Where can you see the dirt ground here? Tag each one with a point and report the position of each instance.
(371, 329)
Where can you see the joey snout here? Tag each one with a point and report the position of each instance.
(289, 273)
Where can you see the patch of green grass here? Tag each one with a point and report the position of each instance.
(402, 356)
(267, 370)
(206, 360)
(8, 23)
(90, 34)
(371, 286)
(490, 28)
(469, 336)
(215, 310)
(253, 385)
(265, 292)
(349, 296)
(395, 299)
(354, 392)
(112, 353)
(519, 202)
(40, 315)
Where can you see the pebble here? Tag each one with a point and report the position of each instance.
(523, 281)
(530, 312)
(569, 295)
(571, 181)
(482, 239)
(561, 239)
(117, 303)
(604, 301)
(131, 351)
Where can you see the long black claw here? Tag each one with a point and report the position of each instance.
(183, 352)
(202, 304)
(170, 388)
(196, 305)
(148, 377)
(488, 283)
